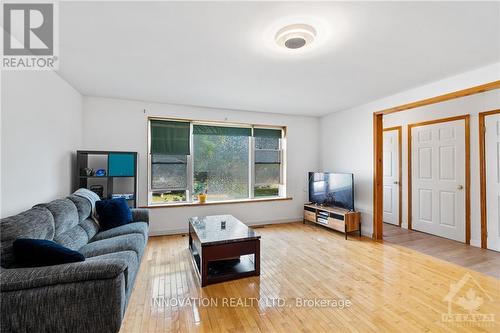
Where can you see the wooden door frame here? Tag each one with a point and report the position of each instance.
(400, 167)
(378, 144)
(482, 175)
(409, 204)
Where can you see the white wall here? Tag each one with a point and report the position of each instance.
(347, 136)
(114, 124)
(40, 130)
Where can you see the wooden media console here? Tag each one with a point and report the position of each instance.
(338, 219)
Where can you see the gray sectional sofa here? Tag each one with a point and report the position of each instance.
(88, 296)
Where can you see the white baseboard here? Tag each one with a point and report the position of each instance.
(297, 219)
(165, 232)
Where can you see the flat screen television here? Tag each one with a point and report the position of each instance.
(332, 189)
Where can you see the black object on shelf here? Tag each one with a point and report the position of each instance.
(117, 165)
(97, 189)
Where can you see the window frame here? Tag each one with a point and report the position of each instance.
(190, 163)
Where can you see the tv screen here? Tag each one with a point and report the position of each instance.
(332, 189)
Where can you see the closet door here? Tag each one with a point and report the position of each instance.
(438, 179)
(492, 155)
(391, 177)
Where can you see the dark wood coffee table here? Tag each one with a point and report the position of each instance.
(222, 253)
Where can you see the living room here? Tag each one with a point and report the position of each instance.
(250, 166)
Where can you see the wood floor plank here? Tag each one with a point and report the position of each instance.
(392, 288)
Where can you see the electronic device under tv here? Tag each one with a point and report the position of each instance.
(332, 189)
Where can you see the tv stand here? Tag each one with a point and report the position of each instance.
(338, 219)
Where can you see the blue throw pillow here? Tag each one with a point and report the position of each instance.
(41, 252)
(113, 213)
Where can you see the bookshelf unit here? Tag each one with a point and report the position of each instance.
(121, 180)
(338, 219)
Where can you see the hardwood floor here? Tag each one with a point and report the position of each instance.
(391, 288)
(481, 260)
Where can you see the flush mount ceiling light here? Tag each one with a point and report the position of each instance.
(295, 36)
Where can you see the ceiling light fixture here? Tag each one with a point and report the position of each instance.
(295, 36)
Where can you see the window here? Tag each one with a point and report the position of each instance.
(229, 162)
(170, 146)
(267, 162)
(221, 161)
(169, 178)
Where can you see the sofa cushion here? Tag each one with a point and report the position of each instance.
(68, 233)
(73, 238)
(131, 242)
(83, 206)
(131, 228)
(113, 213)
(30, 252)
(130, 258)
(34, 223)
(90, 227)
(65, 214)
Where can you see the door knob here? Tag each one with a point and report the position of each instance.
(396, 182)
(460, 187)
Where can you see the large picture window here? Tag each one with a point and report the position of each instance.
(221, 161)
(228, 162)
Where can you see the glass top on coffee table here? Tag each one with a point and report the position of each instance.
(218, 229)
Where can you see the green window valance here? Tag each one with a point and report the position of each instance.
(267, 133)
(220, 130)
(170, 137)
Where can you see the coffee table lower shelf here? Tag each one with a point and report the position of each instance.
(226, 261)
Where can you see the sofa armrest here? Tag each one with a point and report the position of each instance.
(140, 215)
(77, 297)
(35, 277)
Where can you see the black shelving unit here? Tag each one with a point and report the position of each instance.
(87, 158)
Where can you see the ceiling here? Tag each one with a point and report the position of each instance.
(222, 54)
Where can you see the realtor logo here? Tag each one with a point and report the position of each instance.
(29, 38)
(465, 299)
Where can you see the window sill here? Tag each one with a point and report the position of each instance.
(226, 202)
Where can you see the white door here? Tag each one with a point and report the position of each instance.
(391, 177)
(438, 179)
(492, 155)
